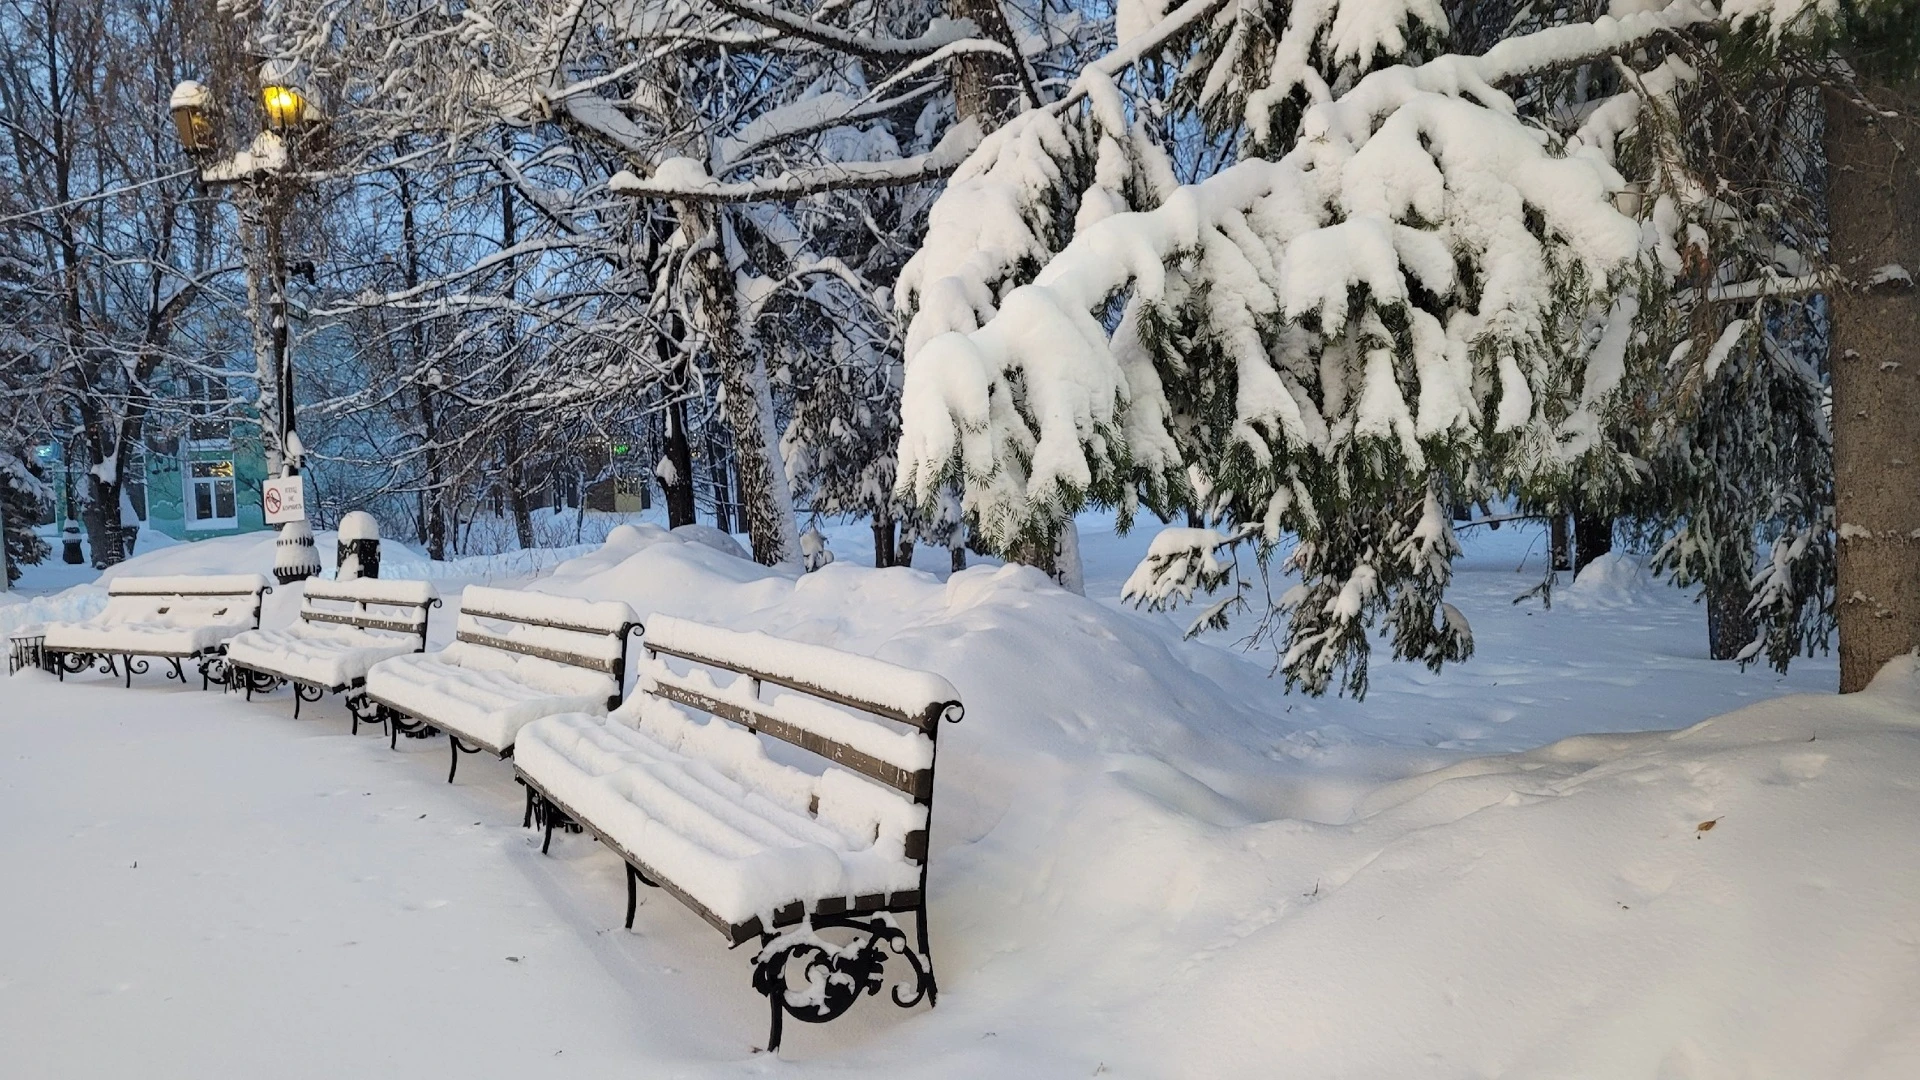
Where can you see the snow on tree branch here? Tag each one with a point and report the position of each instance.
(686, 179)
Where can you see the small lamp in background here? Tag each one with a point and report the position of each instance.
(193, 117)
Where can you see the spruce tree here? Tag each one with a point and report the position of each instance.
(24, 492)
(1317, 351)
(1867, 55)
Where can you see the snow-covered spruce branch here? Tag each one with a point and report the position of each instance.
(1408, 290)
(1339, 212)
(1767, 286)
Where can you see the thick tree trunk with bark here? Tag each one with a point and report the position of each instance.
(985, 86)
(747, 398)
(1592, 537)
(1560, 542)
(1873, 199)
(883, 554)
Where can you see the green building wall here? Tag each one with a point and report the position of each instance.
(166, 488)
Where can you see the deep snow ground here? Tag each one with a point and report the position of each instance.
(1148, 862)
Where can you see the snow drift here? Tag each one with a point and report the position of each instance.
(1146, 862)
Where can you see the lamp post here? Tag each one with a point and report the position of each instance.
(264, 172)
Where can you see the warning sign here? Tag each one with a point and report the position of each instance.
(284, 500)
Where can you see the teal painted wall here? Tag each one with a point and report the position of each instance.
(166, 488)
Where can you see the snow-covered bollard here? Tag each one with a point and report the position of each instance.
(813, 550)
(294, 556)
(359, 555)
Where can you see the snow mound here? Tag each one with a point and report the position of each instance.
(1723, 900)
(246, 553)
(1113, 829)
(713, 538)
(77, 604)
(1614, 580)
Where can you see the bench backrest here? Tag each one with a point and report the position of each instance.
(370, 604)
(587, 634)
(867, 716)
(204, 591)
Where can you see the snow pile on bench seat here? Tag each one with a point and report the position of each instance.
(702, 804)
(156, 624)
(321, 654)
(602, 616)
(910, 750)
(388, 591)
(904, 690)
(186, 584)
(483, 694)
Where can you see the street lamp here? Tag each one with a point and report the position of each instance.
(193, 117)
(288, 110)
(265, 175)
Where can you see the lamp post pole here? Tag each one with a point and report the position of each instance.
(267, 171)
(272, 206)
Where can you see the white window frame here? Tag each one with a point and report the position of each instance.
(193, 522)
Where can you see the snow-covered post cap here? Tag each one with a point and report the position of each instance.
(359, 553)
(190, 94)
(294, 556)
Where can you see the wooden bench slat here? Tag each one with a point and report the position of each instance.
(921, 721)
(918, 783)
(186, 592)
(553, 624)
(605, 665)
(365, 622)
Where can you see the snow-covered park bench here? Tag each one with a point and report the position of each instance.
(173, 618)
(758, 847)
(516, 657)
(345, 627)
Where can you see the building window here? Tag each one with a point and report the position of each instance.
(210, 501)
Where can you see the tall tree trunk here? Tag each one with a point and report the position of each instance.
(1873, 199)
(436, 525)
(1068, 570)
(678, 460)
(883, 553)
(1730, 626)
(1559, 542)
(986, 86)
(517, 502)
(436, 519)
(723, 504)
(516, 469)
(986, 91)
(1592, 537)
(747, 397)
